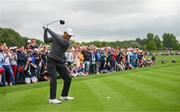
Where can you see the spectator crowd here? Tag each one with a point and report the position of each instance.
(28, 63)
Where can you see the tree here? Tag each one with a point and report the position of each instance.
(151, 45)
(158, 42)
(134, 44)
(142, 42)
(13, 38)
(169, 41)
(150, 42)
(104, 44)
(150, 36)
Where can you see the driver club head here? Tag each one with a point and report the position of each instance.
(62, 22)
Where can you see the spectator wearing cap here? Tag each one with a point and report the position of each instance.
(28, 44)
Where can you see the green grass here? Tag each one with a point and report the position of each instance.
(155, 88)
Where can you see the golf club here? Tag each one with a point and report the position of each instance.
(62, 22)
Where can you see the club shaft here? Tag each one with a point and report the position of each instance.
(52, 22)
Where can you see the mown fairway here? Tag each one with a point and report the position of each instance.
(155, 88)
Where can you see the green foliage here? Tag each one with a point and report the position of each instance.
(134, 44)
(158, 42)
(151, 45)
(154, 42)
(169, 41)
(150, 36)
(13, 38)
(151, 42)
(142, 42)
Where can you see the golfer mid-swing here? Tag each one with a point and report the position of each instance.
(55, 61)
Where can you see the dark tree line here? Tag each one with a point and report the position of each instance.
(150, 42)
(13, 38)
(153, 42)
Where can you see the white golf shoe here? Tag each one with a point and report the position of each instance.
(54, 101)
(65, 98)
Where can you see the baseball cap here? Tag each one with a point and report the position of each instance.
(69, 31)
(28, 41)
(36, 49)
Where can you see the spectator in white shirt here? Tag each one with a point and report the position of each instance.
(7, 67)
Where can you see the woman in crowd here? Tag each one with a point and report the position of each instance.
(13, 61)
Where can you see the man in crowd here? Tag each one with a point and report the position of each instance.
(21, 62)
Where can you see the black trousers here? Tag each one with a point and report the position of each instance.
(92, 68)
(52, 67)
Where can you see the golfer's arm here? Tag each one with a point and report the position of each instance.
(58, 38)
(46, 39)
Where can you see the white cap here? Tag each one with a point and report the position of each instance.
(15, 47)
(69, 31)
(36, 49)
(28, 41)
